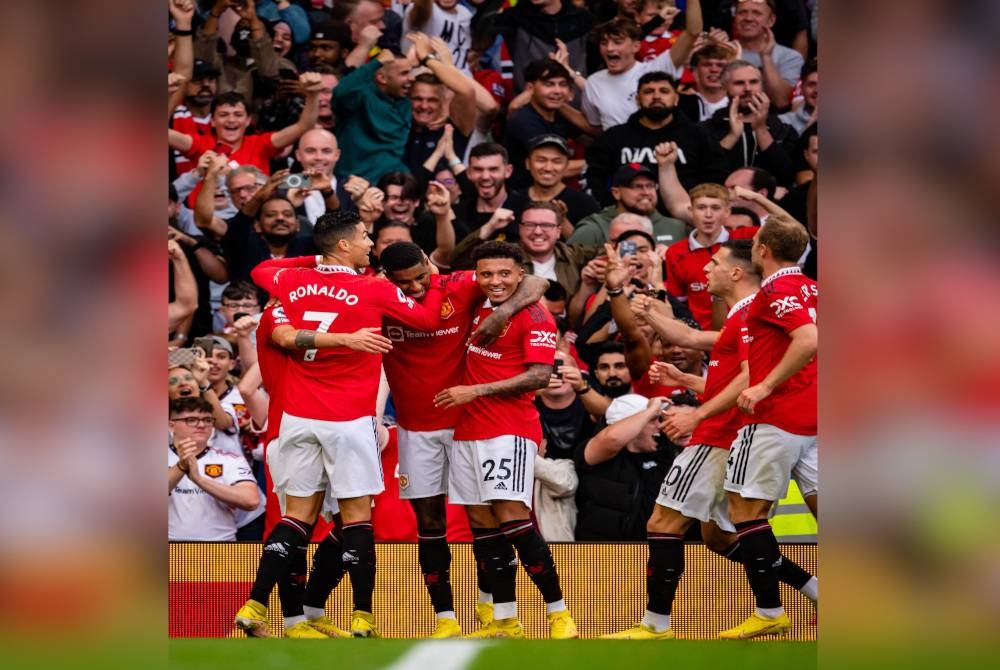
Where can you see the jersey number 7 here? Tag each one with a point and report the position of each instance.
(325, 320)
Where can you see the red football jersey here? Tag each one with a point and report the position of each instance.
(720, 430)
(787, 300)
(424, 362)
(253, 150)
(686, 279)
(273, 361)
(183, 121)
(338, 384)
(530, 337)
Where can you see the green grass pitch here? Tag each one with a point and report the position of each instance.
(198, 654)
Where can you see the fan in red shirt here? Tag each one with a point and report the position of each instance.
(687, 258)
(328, 432)
(778, 438)
(230, 121)
(497, 436)
(693, 489)
(421, 364)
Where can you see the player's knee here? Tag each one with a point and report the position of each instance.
(431, 515)
(666, 520)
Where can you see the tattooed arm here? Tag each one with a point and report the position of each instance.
(534, 378)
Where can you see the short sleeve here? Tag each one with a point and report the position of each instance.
(237, 470)
(539, 339)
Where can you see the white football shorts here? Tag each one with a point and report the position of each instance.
(693, 486)
(761, 460)
(500, 468)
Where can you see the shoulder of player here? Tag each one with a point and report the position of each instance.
(536, 313)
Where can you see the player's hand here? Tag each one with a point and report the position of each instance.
(369, 340)
(748, 399)
(455, 396)
(665, 374)
(666, 153)
(489, 330)
(680, 422)
(244, 325)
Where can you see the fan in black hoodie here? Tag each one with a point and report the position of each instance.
(699, 158)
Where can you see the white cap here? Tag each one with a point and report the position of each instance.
(625, 406)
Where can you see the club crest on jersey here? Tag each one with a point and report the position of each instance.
(404, 482)
(213, 470)
(447, 309)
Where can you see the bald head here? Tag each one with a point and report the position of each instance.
(318, 150)
(626, 222)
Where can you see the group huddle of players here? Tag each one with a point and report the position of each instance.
(463, 355)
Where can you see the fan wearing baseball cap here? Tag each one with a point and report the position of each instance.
(634, 188)
(548, 163)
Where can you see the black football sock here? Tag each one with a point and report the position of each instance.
(663, 570)
(535, 557)
(280, 547)
(480, 537)
(327, 571)
(499, 565)
(292, 586)
(761, 561)
(359, 561)
(435, 564)
(790, 572)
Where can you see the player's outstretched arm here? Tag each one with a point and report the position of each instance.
(265, 274)
(534, 378)
(529, 291)
(661, 319)
(367, 340)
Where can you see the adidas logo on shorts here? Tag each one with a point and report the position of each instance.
(500, 487)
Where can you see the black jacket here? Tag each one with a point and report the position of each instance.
(701, 158)
(776, 159)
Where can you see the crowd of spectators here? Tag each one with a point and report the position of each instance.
(558, 125)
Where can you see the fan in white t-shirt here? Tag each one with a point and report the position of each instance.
(609, 96)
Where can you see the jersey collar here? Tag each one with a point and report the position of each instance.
(330, 269)
(741, 304)
(783, 272)
(693, 243)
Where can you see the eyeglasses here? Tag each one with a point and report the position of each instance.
(194, 421)
(539, 226)
(244, 305)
